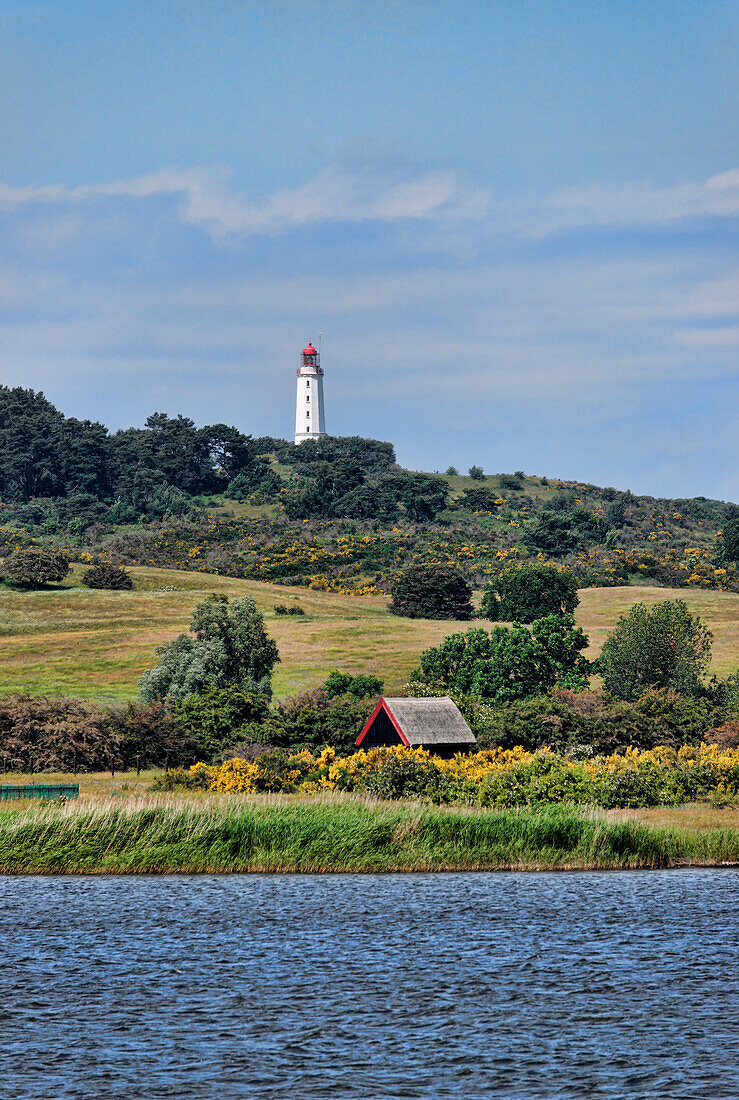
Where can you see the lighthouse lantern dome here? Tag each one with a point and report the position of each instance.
(309, 355)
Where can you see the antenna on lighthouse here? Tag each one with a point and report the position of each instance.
(320, 341)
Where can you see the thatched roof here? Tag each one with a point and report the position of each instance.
(430, 721)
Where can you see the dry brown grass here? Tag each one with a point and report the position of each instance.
(101, 789)
(693, 815)
(75, 641)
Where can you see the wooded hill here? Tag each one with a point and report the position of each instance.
(337, 514)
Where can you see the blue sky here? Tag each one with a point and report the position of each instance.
(515, 223)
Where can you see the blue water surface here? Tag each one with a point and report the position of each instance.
(618, 984)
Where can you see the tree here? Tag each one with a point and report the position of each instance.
(257, 478)
(431, 592)
(314, 719)
(35, 567)
(369, 502)
(85, 458)
(551, 533)
(231, 452)
(479, 499)
(510, 481)
(215, 718)
(508, 662)
(169, 451)
(422, 495)
(587, 527)
(529, 591)
(372, 455)
(727, 544)
(476, 473)
(230, 647)
(563, 642)
(30, 450)
(663, 646)
(326, 484)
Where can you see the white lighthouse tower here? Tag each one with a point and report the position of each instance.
(309, 418)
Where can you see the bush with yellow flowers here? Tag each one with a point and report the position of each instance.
(494, 777)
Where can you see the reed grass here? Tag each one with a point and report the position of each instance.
(193, 834)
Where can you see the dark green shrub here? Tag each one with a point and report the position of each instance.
(551, 532)
(361, 686)
(431, 592)
(109, 576)
(476, 473)
(587, 723)
(34, 567)
(529, 591)
(168, 500)
(629, 789)
(545, 779)
(727, 543)
(276, 771)
(511, 481)
(258, 478)
(479, 499)
(312, 720)
(403, 777)
(177, 779)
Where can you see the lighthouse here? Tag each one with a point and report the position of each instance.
(309, 418)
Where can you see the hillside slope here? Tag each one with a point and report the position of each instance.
(337, 514)
(71, 640)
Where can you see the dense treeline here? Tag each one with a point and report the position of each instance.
(47, 456)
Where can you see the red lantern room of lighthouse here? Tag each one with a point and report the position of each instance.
(309, 415)
(309, 357)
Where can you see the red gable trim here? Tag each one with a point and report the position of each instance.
(382, 705)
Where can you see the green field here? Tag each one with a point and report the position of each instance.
(71, 640)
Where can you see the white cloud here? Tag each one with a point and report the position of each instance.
(206, 197)
(336, 194)
(632, 205)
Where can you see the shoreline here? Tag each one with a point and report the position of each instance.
(529, 869)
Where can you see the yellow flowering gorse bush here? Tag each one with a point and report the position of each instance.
(658, 776)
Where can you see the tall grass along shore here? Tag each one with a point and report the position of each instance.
(168, 834)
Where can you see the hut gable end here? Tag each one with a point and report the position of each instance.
(432, 723)
(380, 730)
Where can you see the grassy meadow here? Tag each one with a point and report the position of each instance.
(70, 640)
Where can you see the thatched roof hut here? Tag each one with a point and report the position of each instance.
(431, 723)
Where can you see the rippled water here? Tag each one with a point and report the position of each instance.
(371, 986)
